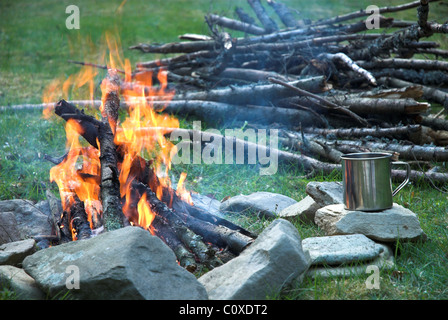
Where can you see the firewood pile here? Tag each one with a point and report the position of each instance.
(328, 85)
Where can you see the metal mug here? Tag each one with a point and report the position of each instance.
(366, 181)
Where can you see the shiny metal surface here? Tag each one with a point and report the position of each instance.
(366, 179)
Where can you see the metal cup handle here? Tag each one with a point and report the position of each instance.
(405, 182)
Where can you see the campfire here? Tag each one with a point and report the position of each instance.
(108, 184)
(313, 80)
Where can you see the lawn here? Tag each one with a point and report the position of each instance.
(34, 48)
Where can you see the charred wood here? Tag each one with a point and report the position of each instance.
(55, 212)
(184, 256)
(113, 217)
(180, 222)
(78, 220)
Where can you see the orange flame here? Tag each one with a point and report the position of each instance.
(59, 88)
(137, 142)
(72, 180)
(145, 215)
(79, 173)
(181, 191)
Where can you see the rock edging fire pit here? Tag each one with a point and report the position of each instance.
(130, 263)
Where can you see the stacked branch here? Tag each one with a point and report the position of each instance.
(337, 49)
(372, 87)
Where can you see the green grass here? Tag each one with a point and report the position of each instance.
(34, 49)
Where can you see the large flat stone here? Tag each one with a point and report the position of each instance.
(274, 260)
(337, 250)
(266, 204)
(384, 261)
(384, 226)
(128, 263)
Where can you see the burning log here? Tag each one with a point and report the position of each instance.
(102, 131)
(55, 213)
(110, 187)
(78, 220)
(216, 234)
(183, 255)
(89, 125)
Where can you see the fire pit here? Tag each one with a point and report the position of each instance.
(108, 184)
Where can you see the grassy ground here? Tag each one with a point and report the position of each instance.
(34, 48)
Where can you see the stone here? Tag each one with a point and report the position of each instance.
(336, 250)
(128, 263)
(383, 226)
(208, 204)
(267, 204)
(17, 280)
(8, 228)
(304, 210)
(13, 253)
(325, 193)
(385, 261)
(31, 221)
(272, 262)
